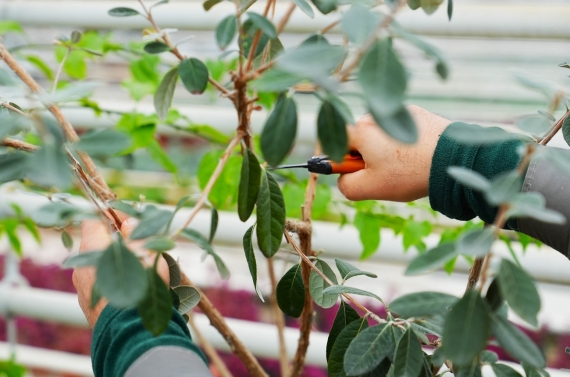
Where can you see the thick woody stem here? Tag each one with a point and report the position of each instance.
(209, 349)
(17, 144)
(68, 130)
(279, 320)
(217, 320)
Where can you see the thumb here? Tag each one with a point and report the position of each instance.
(356, 186)
(128, 226)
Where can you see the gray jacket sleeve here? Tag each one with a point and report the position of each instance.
(169, 361)
(546, 179)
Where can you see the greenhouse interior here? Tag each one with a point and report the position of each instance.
(95, 125)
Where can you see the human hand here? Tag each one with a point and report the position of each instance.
(95, 236)
(394, 171)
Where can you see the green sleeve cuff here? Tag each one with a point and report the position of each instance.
(119, 338)
(459, 202)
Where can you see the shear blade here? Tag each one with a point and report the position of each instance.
(305, 166)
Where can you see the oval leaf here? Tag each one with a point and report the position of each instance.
(401, 126)
(331, 129)
(152, 222)
(195, 236)
(305, 7)
(173, 270)
(263, 24)
(469, 178)
(189, 298)
(83, 259)
(422, 304)
(338, 350)
(432, 259)
(502, 370)
(226, 31)
(409, 357)
(194, 75)
(270, 215)
(348, 271)
(345, 315)
(317, 284)
(156, 47)
(566, 130)
(66, 240)
(518, 289)
(249, 183)
(466, 329)
(159, 244)
(279, 131)
(339, 289)
(250, 257)
(503, 188)
(165, 92)
(368, 349)
(123, 12)
(13, 165)
(359, 23)
(476, 242)
(156, 307)
(214, 218)
(104, 143)
(291, 292)
(121, 277)
(517, 343)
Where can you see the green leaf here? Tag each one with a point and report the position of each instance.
(566, 130)
(343, 340)
(493, 297)
(249, 183)
(165, 92)
(534, 124)
(123, 12)
(383, 79)
(49, 167)
(305, 7)
(430, 6)
(13, 166)
(156, 47)
(225, 190)
(66, 240)
(466, 329)
(152, 222)
(469, 178)
(368, 349)
(531, 371)
(208, 4)
(369, 231)
(401, 126)
(339, 289)
(331, 129)
(471, 370)
(345, 315)
(502, 370)
(473, 134)
(348, 271)
(226, 31)
(121, 277)
(279, 131)
(55, 214)
(414, 232)
(449, 14)
(194, 75)
(519, 291)
(250, 257)
(325, 6)
(270, 215)
(359, 23)
(214, 218)
(341, 108)
(317, 285)
(156, 307)
(10, 227)
(313, 61)
(275, 80)
(9, 26)
(422, 304)
(414, 4)
(173, 270)
(104, 143)
(408, 359)
(263, 24)
(158, 3)
(432, 259)
(157, 153)
(291, 292)
(489, 357)
(195, 236)
(159, 244)
(174, 297)
(189, 298)
(82, 260)
(503, 188)
(516, 343)
(532, 204)
(476, 242)
(40, 64)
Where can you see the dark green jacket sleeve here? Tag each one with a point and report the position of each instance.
(456, 201)
(119, 340)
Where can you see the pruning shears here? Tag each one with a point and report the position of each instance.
(323, 165)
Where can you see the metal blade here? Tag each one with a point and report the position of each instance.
(305, 166)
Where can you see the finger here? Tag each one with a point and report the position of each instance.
(128, 226)
(357, 185)
(94, 236)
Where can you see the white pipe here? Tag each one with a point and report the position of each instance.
(259, 338)
(544, 264)
(54, 361)
(529, 20)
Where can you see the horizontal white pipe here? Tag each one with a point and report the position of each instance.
(544, 264)
(260, 338)
(528, 20)
(54, 361)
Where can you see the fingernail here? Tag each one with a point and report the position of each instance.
(131, 221)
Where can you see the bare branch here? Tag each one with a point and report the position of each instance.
(286, 17)
(209, 349)
(279, 320)
(18, 144)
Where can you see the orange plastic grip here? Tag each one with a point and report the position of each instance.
(350, 164)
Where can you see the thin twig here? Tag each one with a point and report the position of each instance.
(18, 144)
(209, 349)
(328, 28)
(279, 320)
(286, 17)
(213, 178)
(59, 69)
(218, 321)
(14, 109)
(557, 126)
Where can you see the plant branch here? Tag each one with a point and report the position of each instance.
(328, 28)
(217, 320)
(59, 69)
(557, 126)
(67, 128)
(286, 18)
(279, 320)
(18, 144)
(213, 178)
(209, 349)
